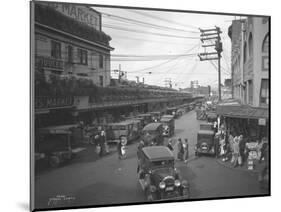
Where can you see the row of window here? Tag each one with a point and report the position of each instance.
(248, 50)
(264, 92)
(82, 54)
(248, 92)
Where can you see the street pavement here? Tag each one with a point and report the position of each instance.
(109, 180)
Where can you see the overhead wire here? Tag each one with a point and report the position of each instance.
(142, 23)
(147, 32)
(163, 19)
(163, 63)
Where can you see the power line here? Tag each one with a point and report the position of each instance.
(153, 41)
(160, 64)
(166, 20)
(146, 32)
(141, 23)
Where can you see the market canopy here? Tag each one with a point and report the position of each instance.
(241, 111)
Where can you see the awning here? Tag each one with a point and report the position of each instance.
(242, 111)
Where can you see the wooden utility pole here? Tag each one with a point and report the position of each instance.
(212, 35)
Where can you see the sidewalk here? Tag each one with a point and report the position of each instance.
(244, 167)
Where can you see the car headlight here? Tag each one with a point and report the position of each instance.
(177, 183)
(162, 185)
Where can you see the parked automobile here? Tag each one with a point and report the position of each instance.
(152, 134)
(211, 117)
(156, 115)
(205, 140)
(158, 177)
(168, 125)
(146, 117)
(55, 144)
(137, 127)
(172, 111)
(123, 128)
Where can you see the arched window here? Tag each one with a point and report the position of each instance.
(265, 43)
(250, 42)
(245, 53)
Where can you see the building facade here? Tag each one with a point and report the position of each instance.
(69, 42)
(250, 70)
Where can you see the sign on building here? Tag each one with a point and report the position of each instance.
(262, 121)
(82, 14)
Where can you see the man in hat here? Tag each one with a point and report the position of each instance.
(180, 149)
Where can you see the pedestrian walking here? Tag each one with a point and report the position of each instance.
(235, 153)
(119, 151)
(102, 143)
(169, 145)
(242, 145)
(263, 149)
(186, 146)
(180, 149)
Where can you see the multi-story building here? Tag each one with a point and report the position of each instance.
(250, 77)
(69, 42)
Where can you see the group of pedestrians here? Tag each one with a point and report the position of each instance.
(183, 150)
(236, 148)
(232, 147)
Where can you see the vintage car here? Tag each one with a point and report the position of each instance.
(152, 134)
(55, 144)
(137, 127)
(168, 125)
(211, 117)
(157, 175)
(205, 140)
(123, 128)
(147, 118)
(155, 116)
(172, 111)
(180, 112)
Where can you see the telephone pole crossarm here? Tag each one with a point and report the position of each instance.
(212, 34)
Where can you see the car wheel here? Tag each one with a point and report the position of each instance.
(54, 161)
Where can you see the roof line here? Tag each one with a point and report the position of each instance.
(74, 36)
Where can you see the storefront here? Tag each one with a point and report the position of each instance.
(251, 122)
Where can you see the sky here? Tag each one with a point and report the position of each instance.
(141, 49)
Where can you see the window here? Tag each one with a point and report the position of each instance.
(250, 91)
(250, 45)
(264, 94)
(82, 56)
(100, 61)
(245, 53)
(265, 44)
(101, 80)
(55, 49)
(70, 54)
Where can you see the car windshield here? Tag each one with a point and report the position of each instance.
(164, 171)
(205, 138)
(205, 127)
(163, 163)
(118, 127)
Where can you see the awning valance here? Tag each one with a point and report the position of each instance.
(242, 111)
